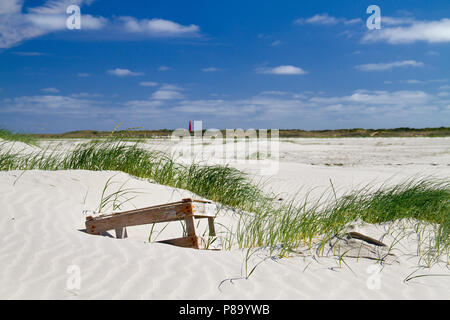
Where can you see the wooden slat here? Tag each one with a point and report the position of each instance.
(203, 209)
(190, 225)
(212, 230)
(165, 213)
(121, 233)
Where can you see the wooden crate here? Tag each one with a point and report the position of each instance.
(186, 210)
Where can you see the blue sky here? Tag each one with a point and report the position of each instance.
(248, 64)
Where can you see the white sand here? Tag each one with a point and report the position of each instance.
(42, 215)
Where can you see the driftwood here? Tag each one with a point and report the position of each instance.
(358, 245)
(186, 210)
(360, 236)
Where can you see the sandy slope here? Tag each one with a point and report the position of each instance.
(40, 239)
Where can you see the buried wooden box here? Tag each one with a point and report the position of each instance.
(186, 210)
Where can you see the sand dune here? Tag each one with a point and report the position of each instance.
(42, 245)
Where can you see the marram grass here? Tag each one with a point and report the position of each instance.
(223, 184)
(263, 221)
(19, 137)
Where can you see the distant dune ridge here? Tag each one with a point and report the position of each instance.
(291, 133)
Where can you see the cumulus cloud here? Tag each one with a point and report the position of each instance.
(371, 98)
(274, 92)
(168, 92)
(396, 21)
(325, 19)
(17, 26)
(148, 84)
(49, 104)
(158, 27)
(124, 73)
(282, 70)
(427, 31)
(362, 106)
(358, 108)
(388, 66)
(210, 69)
(164, 68)
(85, 95)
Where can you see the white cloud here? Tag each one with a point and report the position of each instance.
(413, 81)
(159, 27)
(10, 6)
(171, 87)
(167, 95)
(275, 43)
(83, 75)
(49, 104)
(148, 84)
(274, 92)
(282, 70)
(377, 98)
(359, 108)
(124, 73)
(85, 95)
(352, 21)
(322, 19)
(396, 21)
(50, 90)
(16, 27)
(388, 66)
(168, 92)
(427, 31)
(325, 19)
(27, 53)
(164, 68)
(57, 6)
(210, 69)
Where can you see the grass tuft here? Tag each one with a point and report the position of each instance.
(19, 137)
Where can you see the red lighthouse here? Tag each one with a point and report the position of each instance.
(190, 126)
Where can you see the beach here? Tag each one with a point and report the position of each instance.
(46, 254)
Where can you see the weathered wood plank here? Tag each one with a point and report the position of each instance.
(212, 229)
(121, 233)
(203, 209)
(164, 213)
(190, 225)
